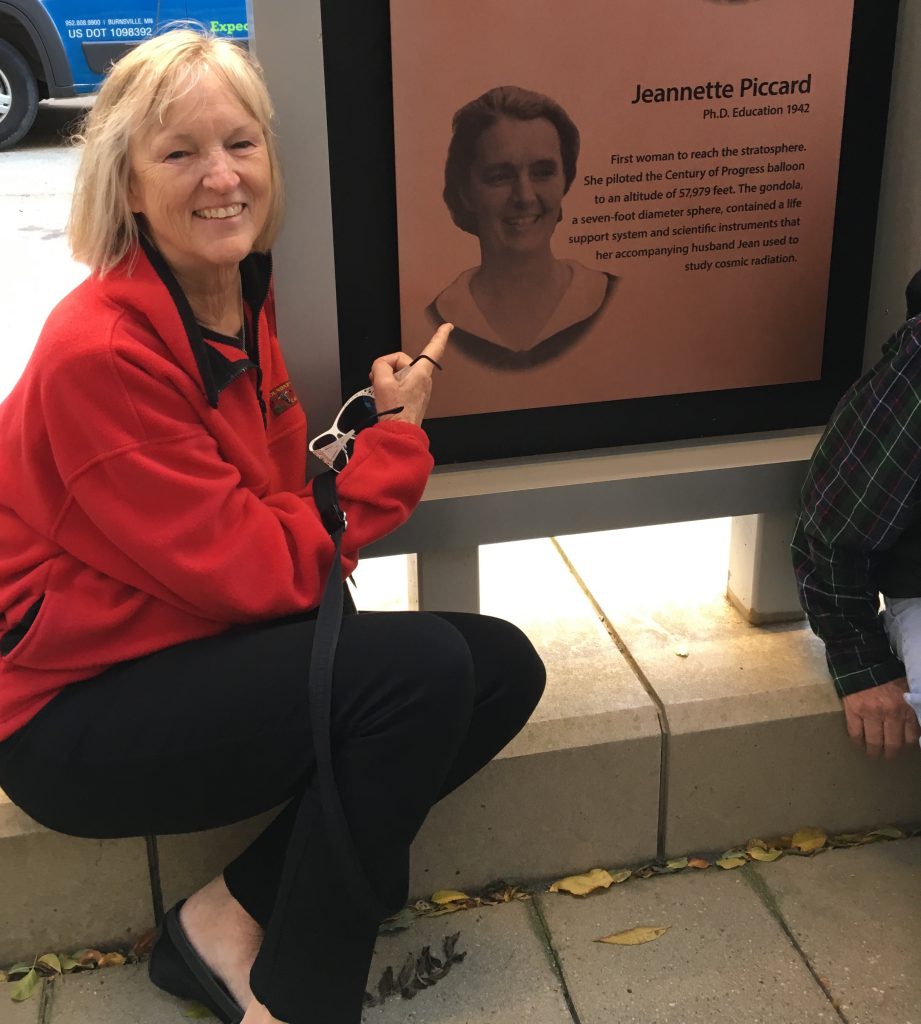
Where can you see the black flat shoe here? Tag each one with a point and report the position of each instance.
(175, 967)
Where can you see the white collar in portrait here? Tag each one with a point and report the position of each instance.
(585, 295)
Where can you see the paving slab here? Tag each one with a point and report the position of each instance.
(857, 916)
(115, 995)
(724, 957)
(63, 892)
(506, 975)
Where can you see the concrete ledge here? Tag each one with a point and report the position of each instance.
(15, 822)
(753, 737)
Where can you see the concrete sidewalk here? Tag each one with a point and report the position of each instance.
(829, 938)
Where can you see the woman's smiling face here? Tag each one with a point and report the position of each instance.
(516, 185)
(202, 179)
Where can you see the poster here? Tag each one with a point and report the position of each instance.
(681, 246)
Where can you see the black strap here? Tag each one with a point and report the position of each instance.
(320, 686)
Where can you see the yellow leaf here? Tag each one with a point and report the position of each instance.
(728, 863)
(582, 885)
(22, 989)
(678, 864)
(621, 876)
(808, 840)
(758, 844)
(111, 960)
(698, 863)
(3, 978)
(50, 963)
(445, 896)
(765, 856)
(633, 937)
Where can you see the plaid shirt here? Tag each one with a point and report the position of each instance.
(858, 498)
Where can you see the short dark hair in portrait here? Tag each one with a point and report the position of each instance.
(477, 116)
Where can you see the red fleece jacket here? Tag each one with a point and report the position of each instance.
(143, 504)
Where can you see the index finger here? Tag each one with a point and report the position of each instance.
(435, 349)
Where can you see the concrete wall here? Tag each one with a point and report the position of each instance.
(898, 237)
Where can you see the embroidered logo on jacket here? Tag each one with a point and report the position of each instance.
(282, 398)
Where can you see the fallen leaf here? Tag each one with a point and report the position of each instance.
(3, 978)
(582, 885)
(728, 863)
(846, 839)
(698, 863)
(622, 875)
(144, 944)
(765, 856)
(111, 960)
(18, 970)
(88, 957)
(398, 923)
(886, 833)
(677, 864)
(68, 965)
(445, 896)
(634, 936)
(22, 989)
(49, 964)
(808, 840)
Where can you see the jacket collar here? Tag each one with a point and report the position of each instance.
(138, 283)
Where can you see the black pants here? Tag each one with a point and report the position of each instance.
(214, 731)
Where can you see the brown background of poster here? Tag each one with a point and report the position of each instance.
(666, 331)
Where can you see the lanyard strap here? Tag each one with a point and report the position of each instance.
(320, 686)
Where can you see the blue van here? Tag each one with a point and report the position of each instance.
(55, 48)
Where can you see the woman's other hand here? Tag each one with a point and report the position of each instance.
(413, 388)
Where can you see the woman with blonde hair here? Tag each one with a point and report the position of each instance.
(162, 557)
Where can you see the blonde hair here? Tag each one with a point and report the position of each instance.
(133, 98)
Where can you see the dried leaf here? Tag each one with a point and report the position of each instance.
(386, 986)
(144, 944)
(764, 856)
(22, 989)
(621, 876)
(68, 965)
(808, 840)
(582, 885)
(446, 896)
(4, 977)
(407, 972)
(49, 964)
(677, 864)
(886, 833)
(112, 960)
(196, 1011)
(398, 923)
(846, 839)
(634, 936)
(698, 863)
(88, 957)
(728, 863)
(18, 970)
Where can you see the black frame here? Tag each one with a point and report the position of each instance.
(359, 98)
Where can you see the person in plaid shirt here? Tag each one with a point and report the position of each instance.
(859, 535)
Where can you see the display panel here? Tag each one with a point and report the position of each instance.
(648, 218)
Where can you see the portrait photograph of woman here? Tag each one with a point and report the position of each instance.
(511, 162)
